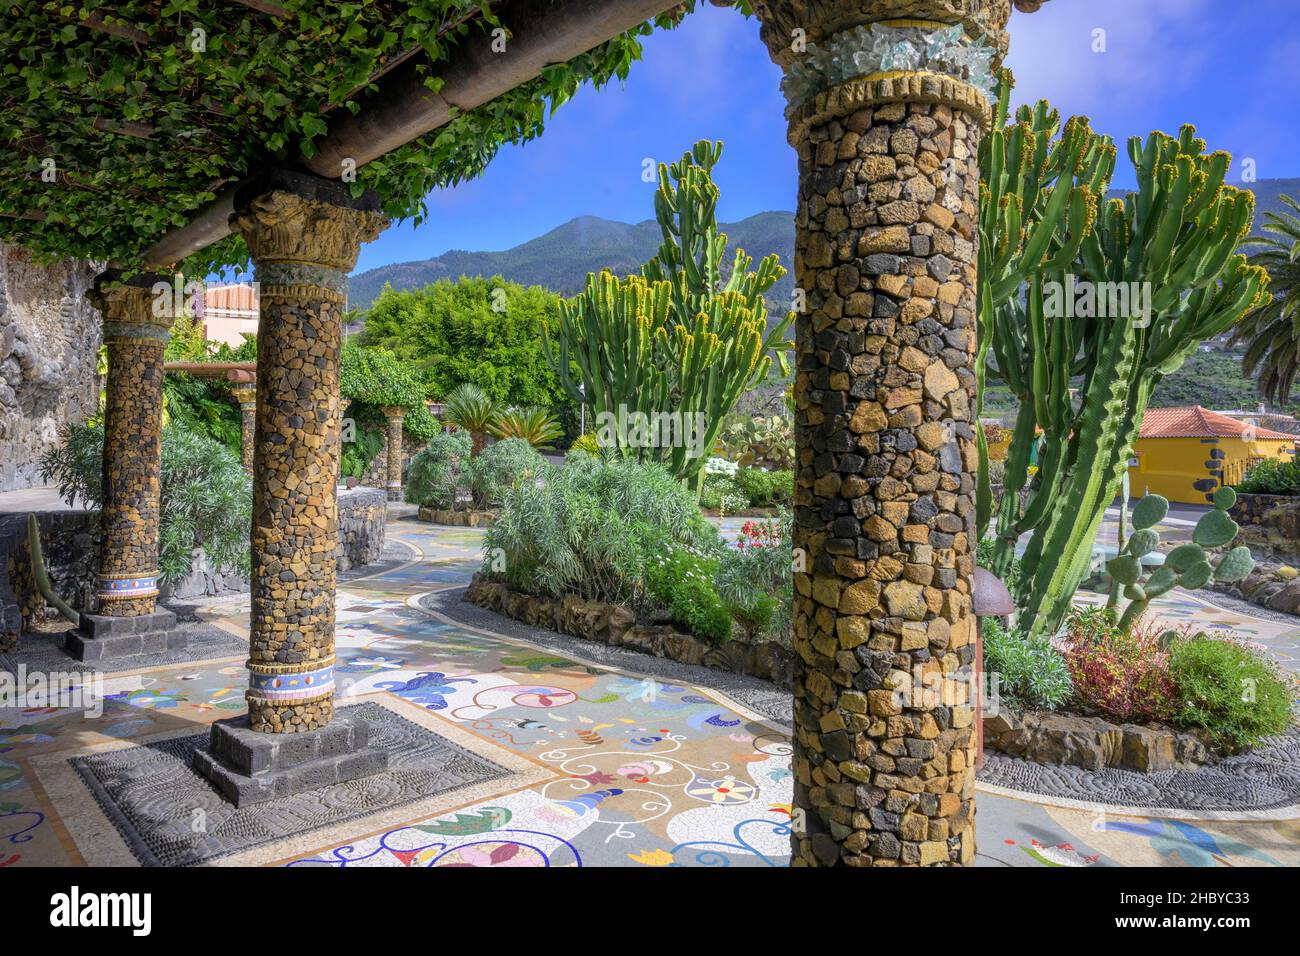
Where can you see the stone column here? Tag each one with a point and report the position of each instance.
(886, 116)
(246, 395)
(304, 235)
(395, 415)
(136, 329)
(304, 240)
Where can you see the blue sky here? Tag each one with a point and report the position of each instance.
(1225, 65)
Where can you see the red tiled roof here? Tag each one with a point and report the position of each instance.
(1197, 422)
(238, 297)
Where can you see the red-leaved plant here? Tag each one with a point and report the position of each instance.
(1122, 675)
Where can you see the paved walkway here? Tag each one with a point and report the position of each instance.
(597, 766)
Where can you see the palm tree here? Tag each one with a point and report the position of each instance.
(1272, 331)
(471, 409)
(534, 425)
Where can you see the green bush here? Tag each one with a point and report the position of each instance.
(431, 479)
(755, 580)
(421, 424)
(206, 497)
(1235, 694)
(682, 581)
(1031, 672)
(357, 454)
(586, 443)
(765, 488)
(723, 493)
(1272, 476)
(377, 377)
(498, 469)
(591, 529)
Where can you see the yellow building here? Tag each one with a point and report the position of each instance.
(1185, 454)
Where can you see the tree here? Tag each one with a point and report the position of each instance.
(1272, 332)
(484, 331)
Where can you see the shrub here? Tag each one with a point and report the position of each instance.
(765, 488)
(1124, 675)
(591, 528)
(470, 408)
(421, 424)
(375, 376)
(206, 497)
(586, 443)
(1229, 690)
(536, 426)
(431, 479)
(1272, 476)
(682, 581)
(357, 454)
(497, 470)
(754, 579)
(723, 493)
(1031, 672)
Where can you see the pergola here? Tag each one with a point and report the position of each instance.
(291, 134)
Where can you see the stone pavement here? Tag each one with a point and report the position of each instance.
(558, 760)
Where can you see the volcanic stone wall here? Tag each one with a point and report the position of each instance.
(885, 488)
(49, 343)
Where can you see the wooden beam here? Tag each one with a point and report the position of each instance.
(123, 128)
(95, 21)
(270, 9)
(543, 32)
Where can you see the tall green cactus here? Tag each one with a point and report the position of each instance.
(1039, 196)
(678, 339)
(1172, 240)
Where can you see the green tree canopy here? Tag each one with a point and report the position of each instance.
(484, 331)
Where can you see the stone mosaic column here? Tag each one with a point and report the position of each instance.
(886, 116)
(136, 330)
(303, 242)
(246, 395)
(395, 415)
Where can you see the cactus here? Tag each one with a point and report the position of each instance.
(1187, 566)
(1175, 236)
(677, 338)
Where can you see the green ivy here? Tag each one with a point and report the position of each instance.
(261, 89)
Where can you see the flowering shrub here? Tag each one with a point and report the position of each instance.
(720, 466)
(682, 581)
(754, 579)
(1123, 675)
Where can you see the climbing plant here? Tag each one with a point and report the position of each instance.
(181, 98)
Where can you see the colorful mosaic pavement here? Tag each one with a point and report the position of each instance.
(609, 768)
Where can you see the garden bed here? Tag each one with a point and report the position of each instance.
(617, 626)
(461, 518)
(742, 513)
(1095, 743)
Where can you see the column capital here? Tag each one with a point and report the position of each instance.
(786, 22)
(305, 221)
(142, 307)
(394, 412)
(840, 57)
(245, 393)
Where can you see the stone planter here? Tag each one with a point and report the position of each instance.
(466, 518)
(1270, 525)
(1094, 743)
(617, 626)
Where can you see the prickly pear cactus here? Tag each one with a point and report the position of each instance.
(1186, 566)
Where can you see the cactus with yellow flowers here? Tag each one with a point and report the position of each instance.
(1085, 370)
(678, 344)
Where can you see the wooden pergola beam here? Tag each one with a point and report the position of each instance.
(543, 32)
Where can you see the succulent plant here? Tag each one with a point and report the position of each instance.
(1187, 566)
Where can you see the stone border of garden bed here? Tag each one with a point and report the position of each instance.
(457, 518)
(617, 626)
(742, 513)
(1094, 743)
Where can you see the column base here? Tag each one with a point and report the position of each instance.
(99, 636)
(394, 494)
(250, 767)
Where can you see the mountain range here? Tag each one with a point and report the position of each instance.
(561, 258)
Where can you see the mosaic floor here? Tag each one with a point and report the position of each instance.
(573, 762)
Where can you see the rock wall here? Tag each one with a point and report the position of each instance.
(363, 514)
(1270, 525)
(49, 345)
